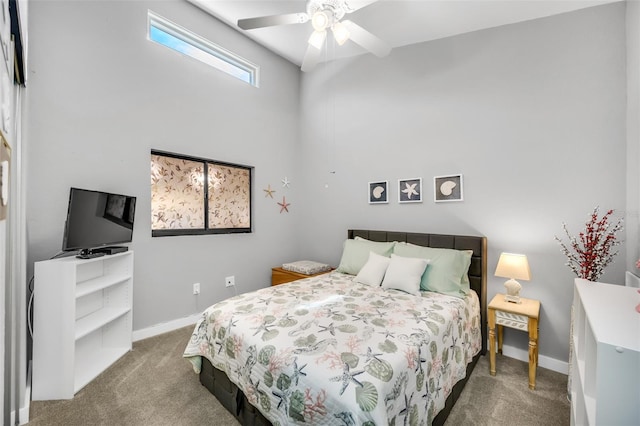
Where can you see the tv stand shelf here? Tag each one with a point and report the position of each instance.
(95, 321)
(97, 284)
(82, 321)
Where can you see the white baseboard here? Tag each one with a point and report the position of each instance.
(543, 361)
(24, 414)
(165, 327)
(24, 411)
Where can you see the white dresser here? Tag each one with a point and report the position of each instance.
(605, 369)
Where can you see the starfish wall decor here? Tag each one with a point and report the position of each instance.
(284, 206)
(269, 192)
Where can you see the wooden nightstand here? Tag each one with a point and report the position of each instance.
(521, 316)
(281, 276)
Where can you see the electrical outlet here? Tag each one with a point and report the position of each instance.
(196, 288)
(230, 281)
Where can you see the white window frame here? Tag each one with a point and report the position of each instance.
(216, 56)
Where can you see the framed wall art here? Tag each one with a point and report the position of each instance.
(447, 188)
(410, 190)
(378, 192)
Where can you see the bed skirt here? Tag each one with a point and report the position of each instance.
(237, 404)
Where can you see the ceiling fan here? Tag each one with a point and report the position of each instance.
(324, 15)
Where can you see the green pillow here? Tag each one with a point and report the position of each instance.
(447, 270)
(355, 254)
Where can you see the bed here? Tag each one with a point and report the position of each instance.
(330, 350)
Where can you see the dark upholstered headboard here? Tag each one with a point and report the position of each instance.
(477, 270)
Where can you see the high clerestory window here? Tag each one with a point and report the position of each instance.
(173, 36)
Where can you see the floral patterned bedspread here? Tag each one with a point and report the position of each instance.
(326, 350)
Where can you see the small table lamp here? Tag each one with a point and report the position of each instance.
(513, 266)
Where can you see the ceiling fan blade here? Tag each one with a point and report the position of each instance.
(311, 56)
(270, 21)
(367, 40)
(353, 5)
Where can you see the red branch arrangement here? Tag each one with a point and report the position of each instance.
(591, 252)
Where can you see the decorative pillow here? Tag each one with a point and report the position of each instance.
(356, 253)
(373, 271)
(447, 271)
(404, 274)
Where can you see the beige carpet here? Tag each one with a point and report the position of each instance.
(505, 399)
(154, 385)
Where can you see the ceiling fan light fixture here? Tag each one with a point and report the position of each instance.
(324, 15)
(340, 33)
(320, 20)
(317, 39)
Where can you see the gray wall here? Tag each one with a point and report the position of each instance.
(533, 116)
(101, 96)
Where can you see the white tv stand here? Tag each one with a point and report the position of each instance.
(605, 369)
(82, 321)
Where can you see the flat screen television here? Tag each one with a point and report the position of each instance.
(97, 220)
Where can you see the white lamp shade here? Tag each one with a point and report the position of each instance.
(514, 266)
(340, 33)
(317, 39)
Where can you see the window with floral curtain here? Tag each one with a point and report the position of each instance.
(182, 204)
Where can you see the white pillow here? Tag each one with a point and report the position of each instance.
(405, 273)
(373, 271)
